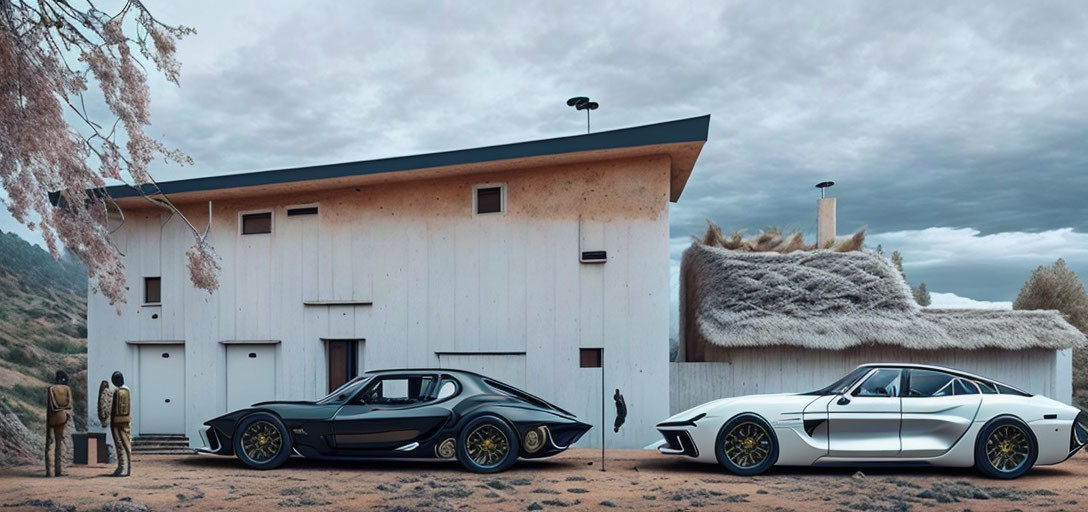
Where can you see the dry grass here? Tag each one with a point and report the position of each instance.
(773, 240)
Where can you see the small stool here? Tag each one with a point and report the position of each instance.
(88, 446)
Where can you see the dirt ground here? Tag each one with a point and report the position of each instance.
(634, 479)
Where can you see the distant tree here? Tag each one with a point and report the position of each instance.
(49, 51)
(897, 260)
(1058, 287)
(880, 249)
(921, 295)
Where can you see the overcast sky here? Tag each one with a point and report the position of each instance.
(955, 131)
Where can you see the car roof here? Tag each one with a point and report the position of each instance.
(945, 369)
(386, 371)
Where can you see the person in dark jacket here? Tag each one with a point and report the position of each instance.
(58, 412)
(120, 417)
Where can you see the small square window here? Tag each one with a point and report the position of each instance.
(489, 200)
(590, 357)
(152, 290)
(256, 223)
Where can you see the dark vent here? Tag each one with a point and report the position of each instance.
(594, 256)
(311, 210)
(253, 355)
(165, 355)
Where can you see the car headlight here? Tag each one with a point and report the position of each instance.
(534, 439)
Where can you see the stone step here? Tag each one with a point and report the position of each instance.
(159, 447)
(164, 452)
(139, 440)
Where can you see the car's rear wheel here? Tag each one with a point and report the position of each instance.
(487, 445)
(261, 441)
(1006, 448)
(746, 445)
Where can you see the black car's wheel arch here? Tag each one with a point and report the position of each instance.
(245, 422)
(1033, 456)
(515, 442)
(718, 439)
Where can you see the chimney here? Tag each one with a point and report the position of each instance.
(825, 217)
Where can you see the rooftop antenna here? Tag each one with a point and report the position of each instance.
(583, 103)
(823, 186)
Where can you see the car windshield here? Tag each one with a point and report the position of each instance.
(344, 392)
(840, 386)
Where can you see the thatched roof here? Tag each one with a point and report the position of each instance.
(835, 300)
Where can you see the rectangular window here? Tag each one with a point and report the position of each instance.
(489, 199)
(590, 357)
(152, 290)
(256, 223)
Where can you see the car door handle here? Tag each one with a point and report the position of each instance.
(843, 400)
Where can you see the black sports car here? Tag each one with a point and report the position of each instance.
(428, 413)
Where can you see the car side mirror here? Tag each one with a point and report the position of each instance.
(843, 400)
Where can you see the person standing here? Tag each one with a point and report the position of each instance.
(58, 412)
(120, 417)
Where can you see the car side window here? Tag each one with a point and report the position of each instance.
(398, 390)
(926, 383)
(986, 387)
(447, 389)
(965, 387)
(882, 383)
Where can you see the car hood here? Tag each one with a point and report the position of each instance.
(285, 410)
(757, 404)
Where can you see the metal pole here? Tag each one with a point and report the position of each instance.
(603, 424)
(587, 131)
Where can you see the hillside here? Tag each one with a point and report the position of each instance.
(43, 312)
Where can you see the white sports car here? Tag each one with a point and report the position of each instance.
(899, 414)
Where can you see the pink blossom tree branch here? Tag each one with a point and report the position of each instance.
(42, 153)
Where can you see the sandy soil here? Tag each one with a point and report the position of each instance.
(640, 480)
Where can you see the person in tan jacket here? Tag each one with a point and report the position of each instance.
(58, 412)
(119, 405)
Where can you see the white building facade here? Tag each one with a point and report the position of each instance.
(527, 262)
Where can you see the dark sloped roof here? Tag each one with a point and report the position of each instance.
(836, 300)
(694, 129)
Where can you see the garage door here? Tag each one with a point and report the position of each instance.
(251, 375)
(160, 391)
(508, 368)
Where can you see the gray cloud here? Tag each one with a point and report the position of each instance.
(965, 114)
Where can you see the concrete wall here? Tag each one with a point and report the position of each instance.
(749, 371)
(440, 279)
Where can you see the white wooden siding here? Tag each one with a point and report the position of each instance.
(439, 278)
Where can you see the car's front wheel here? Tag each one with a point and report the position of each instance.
(746, 445)
(261, 441)
(487, 445)
(1006, 448)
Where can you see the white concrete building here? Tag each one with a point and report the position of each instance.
(519, 261)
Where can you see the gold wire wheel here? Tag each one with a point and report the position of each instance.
(262, 441)
(1008, 448)
(487, 445)
(747, 445)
